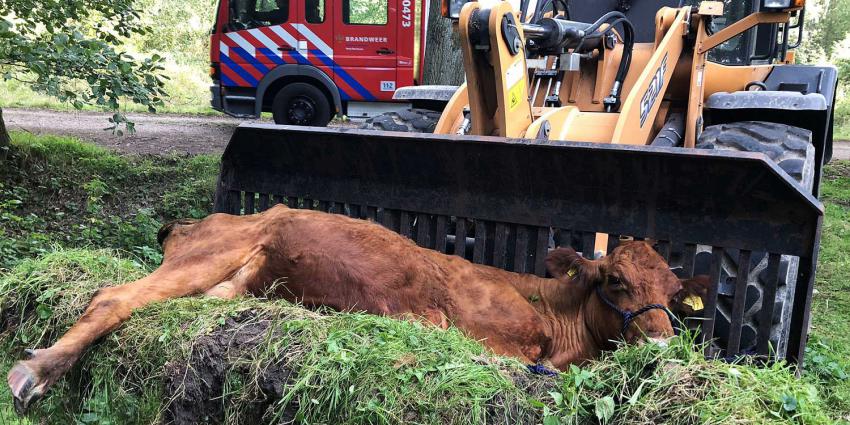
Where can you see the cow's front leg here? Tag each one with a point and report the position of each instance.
(29, 379)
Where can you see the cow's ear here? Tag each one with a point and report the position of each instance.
(691, 299)
(566, 263)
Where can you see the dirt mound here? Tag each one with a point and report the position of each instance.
(196, 385)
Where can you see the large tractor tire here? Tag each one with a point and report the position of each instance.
(792, 150)
(410, 121)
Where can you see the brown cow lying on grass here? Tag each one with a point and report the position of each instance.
(323, 259)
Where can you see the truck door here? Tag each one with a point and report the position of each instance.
(314, 31)
(365, 44)
(256, 40)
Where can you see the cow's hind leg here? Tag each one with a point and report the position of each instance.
(225, 290)
(29, 379)
(242, 281)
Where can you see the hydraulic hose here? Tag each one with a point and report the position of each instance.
(625, 63)
(557, 35)
(612, 102)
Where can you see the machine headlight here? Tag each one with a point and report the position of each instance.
(782, 4)
(777, 4)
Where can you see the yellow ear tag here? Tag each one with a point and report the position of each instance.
(694, 302)
(571, 272)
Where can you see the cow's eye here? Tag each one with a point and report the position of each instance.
(615, 281)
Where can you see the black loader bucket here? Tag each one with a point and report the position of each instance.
(507, 202)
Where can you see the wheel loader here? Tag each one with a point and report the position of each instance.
(584, 123)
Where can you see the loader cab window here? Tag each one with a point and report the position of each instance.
(246, 14)
(738, 50)
(365, 12)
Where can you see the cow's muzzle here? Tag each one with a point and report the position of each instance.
(629, 316)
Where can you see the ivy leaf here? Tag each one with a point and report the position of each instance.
(605, 409)
(551, 420)
(789, 402)
(557, 397)
(43, 311)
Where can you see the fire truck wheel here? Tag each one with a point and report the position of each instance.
(410, 120)
(301, 104)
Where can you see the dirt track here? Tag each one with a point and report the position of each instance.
(155, 134)
(158, 134)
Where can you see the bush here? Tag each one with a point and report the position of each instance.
(60, 191)
(841, 127)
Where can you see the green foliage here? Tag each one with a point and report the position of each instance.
(829, 27)
(70, 49)
(828, 352)
(675, 384)
(826, 29)
(180, 29)
(354, 366)
(60, 191)
(187, 87)
(368, 12)
(193, 197)
(176, 32)
(841, 127)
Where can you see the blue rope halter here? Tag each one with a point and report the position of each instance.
(629, 317)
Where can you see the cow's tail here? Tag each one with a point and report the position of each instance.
(166, 229)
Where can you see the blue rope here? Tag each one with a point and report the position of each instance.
(539, 369)
(629, 317)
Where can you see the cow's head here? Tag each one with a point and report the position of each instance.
(632, 279)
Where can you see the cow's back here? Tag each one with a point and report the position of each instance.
(355, 264)
(323, 259)
(345, 263)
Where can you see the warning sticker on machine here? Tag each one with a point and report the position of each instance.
(514, 73)
(515, 95)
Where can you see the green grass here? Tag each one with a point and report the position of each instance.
(59, 191)
(828, 358)
(61, 198)
(841, 128)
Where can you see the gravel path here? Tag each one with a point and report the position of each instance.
(158, 134)
(841, 150)
(155, 134)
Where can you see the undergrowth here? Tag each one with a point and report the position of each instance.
(59, 191)
(828, 350)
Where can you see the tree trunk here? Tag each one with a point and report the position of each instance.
(443, 57)
(5, 140)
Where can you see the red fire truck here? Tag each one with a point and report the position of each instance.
(307, 60)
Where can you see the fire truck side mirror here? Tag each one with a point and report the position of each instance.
(451, 8)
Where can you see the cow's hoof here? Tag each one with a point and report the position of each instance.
(22, 381)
